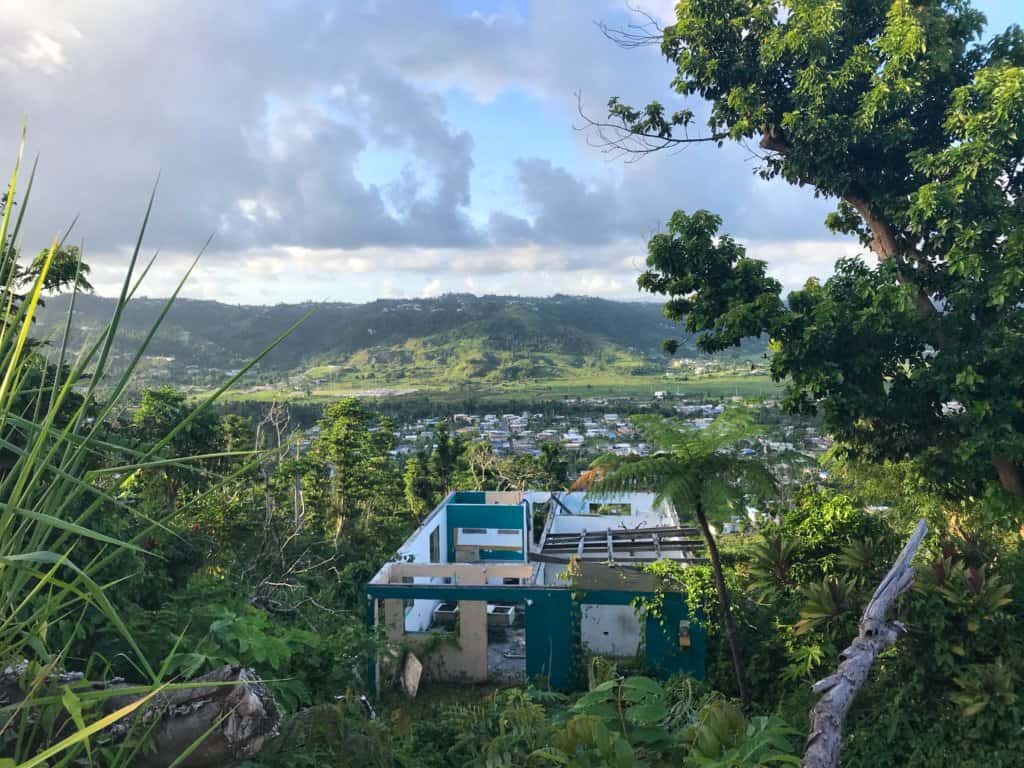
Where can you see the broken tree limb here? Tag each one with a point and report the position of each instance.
(876, 635)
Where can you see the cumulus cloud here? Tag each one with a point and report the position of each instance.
(316, 139)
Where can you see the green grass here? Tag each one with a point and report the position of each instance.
(596, 385)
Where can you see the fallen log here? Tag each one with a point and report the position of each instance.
(876, 635)
(230, 720)
(225, 715)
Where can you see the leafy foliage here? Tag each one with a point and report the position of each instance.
(901, 113)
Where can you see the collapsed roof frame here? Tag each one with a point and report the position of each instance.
(622, 545)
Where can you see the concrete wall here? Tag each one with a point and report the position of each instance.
(550, 629)
(417, 547)
(610, 630)
(502, 497)
(466, 660)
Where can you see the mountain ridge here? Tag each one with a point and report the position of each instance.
(461, 337)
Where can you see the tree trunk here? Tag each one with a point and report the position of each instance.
(229, 720)
(876, 635)
(1009, 475)
(232, 722)
(886, 246)
(724, 606)
(172, 496)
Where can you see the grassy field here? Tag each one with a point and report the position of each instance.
(608, 385)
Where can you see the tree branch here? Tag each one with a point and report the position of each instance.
(876, 635)
(618, 139)
(641, 35)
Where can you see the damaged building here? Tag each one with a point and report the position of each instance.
(513, 586)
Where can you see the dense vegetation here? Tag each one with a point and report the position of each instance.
(451, 340)
(144, 541)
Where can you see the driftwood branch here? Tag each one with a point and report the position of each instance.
(876, 635)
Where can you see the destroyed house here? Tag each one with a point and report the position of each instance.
(517, 586)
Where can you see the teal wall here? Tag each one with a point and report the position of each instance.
(465, 515)
(553, 626)
(662, 653)
(469, 497)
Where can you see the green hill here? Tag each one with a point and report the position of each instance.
(447, 341)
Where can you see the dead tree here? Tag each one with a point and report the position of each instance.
(223, 716)
(876, 635)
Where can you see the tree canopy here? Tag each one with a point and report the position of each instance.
(915, 126)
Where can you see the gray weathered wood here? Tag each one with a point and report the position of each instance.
(876, 635)
(231, 718)
(229, 712)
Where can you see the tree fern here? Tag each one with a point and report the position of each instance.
(701, 474)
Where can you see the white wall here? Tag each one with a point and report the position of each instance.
(610, 630)
(419, 616)
(643, 513)
(416, 549)
(491, 539)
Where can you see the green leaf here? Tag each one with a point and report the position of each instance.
(647, 714)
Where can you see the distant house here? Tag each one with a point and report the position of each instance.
(520, 603)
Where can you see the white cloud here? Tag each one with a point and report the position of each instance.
(271, 134)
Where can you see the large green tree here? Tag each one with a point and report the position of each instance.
(914, 125)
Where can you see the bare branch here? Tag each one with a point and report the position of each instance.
(618, 139)
(876, 635)
(644, 33)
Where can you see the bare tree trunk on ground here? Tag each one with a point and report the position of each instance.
(232, 721)
(723, 604)
(230, 718)
(876, 635)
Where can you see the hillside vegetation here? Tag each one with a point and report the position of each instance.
(425, 342)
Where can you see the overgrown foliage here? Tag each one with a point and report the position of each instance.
(901, 113)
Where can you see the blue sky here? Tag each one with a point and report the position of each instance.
(347, 151)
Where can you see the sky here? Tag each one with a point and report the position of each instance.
(349, 150)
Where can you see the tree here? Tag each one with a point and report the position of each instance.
(445, 456)
(419, 487)
(356, 444)
(913, 125)
(67, 271)
(553, 462)
(698, 470)
(62, 271)
(160, 412)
